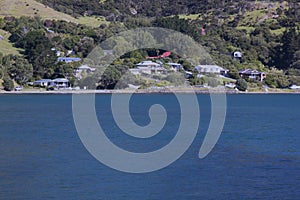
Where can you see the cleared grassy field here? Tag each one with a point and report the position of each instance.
(31, 8)
(5, 46)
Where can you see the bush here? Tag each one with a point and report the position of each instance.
(8, 84)
(241, 85)
(213, 82)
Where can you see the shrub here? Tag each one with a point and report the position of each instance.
(8, 84)
(241, 85)
(213, 82)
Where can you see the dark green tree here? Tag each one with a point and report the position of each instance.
(8, 84)
(241, 85)
(38, 51)
(18, 68)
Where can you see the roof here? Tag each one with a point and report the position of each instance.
(209, 68)
(174, 64)
(43, 81)
(86, 67)
(68, 59)
(147, 63)
(250, 72)
(237, 54)
(60, 80)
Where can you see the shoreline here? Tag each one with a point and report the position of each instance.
(151, 91)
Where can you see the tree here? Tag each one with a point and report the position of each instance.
(213, 82)
(18, 68)
(285, 54)
(38, 51)
(110, 77)
(241, 85)
(8, 84)
(176, 78)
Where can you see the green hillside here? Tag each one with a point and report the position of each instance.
(5, 46)
(264, 33)
(32, 8)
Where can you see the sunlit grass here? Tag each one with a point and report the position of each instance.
(5, 46)
(31, 8)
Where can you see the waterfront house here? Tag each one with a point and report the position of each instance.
(43, 83)
(148, 67)
(59, 83)
(211, 69)
(252, 74)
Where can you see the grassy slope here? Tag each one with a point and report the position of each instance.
(5, 46)
(31, 8)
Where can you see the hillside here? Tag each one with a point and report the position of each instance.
(32, 8)
(264, 33)
(5, 46)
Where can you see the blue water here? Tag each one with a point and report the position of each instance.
(257, 156)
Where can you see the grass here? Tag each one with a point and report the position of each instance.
(278, 31)
(251, 18)
(92, 21)
(249, 29)
(5, 46)
(31, 8)
(192, 16)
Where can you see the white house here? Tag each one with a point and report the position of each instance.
(147, 64)
(85, 68)
(148, 67)
(211, 69)
(237, 54)
(43, 82)
(59, 83)
(252, 74)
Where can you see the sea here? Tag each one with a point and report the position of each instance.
(256, 157)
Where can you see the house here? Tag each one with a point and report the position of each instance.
(252, 74)
(68, 59)
(59, 83)
(147, 64)
(211, 69)
(237, 54)
(43, 83)
(84, 68)
(175, 66)
(188, 74)
(148, 67)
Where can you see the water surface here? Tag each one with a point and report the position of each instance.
(257, 156)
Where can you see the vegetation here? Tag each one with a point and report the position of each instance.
(266, 33)
(8, 84)
(241, 85)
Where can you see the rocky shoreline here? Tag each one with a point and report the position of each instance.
(154, 91)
